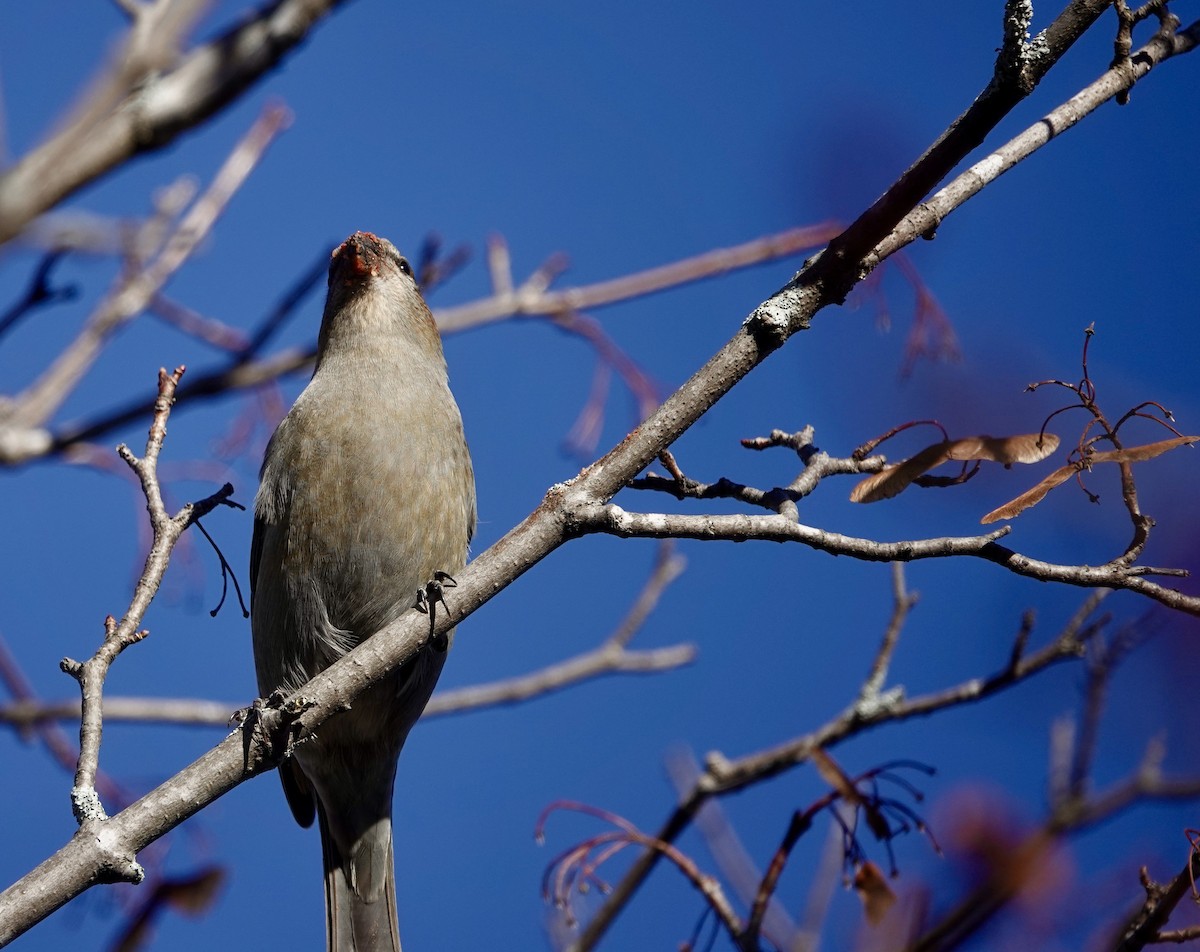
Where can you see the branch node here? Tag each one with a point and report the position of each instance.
(86, 805)
(878, 704)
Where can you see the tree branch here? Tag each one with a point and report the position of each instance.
(118, 636)
(722, 776)
(534, 299)
(563, 515)
(137, 109)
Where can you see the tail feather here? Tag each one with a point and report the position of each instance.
(360, 891)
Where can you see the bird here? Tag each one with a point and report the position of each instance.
(366, 494)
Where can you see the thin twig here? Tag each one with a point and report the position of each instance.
(532, 298)
(1160, 902)
(118, 636)
(903, 602)
(613, 656)
(247, 373)
(613, 520)
(723, 776)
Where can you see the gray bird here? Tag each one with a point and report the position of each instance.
(366, 493)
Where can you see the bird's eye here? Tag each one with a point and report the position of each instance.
(404, 266)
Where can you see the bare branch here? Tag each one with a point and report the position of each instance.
(133, 292)
(924, 219)
(118, 636)
(532, 298)
(137, 110)
(198, 712)
(613, 656)
(194, 712)
(903, 601)
(572, 508)
(243, 373)
(785, 526)
(1161, 899)
(723, 776)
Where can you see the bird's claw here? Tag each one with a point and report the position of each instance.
(427, 601)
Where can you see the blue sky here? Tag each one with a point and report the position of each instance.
(626, 139)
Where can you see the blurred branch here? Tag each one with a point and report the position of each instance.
(611, 657)
(722, 776)
(242, 372)
(149, 96)
(40, 292)
(214, 383)
(1000, 886)
(53, 738)
(26, 714)
(25, 415)
(585, 434)
(533, 298)
(198, 326)
(193, 894)
(735, 864)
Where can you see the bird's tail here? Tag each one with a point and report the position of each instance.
(360, 890)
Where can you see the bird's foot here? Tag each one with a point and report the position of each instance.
(270, 729)
(428, 599)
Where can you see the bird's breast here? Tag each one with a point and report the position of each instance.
(373, 511)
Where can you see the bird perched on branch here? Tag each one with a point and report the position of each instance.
(366, 494)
